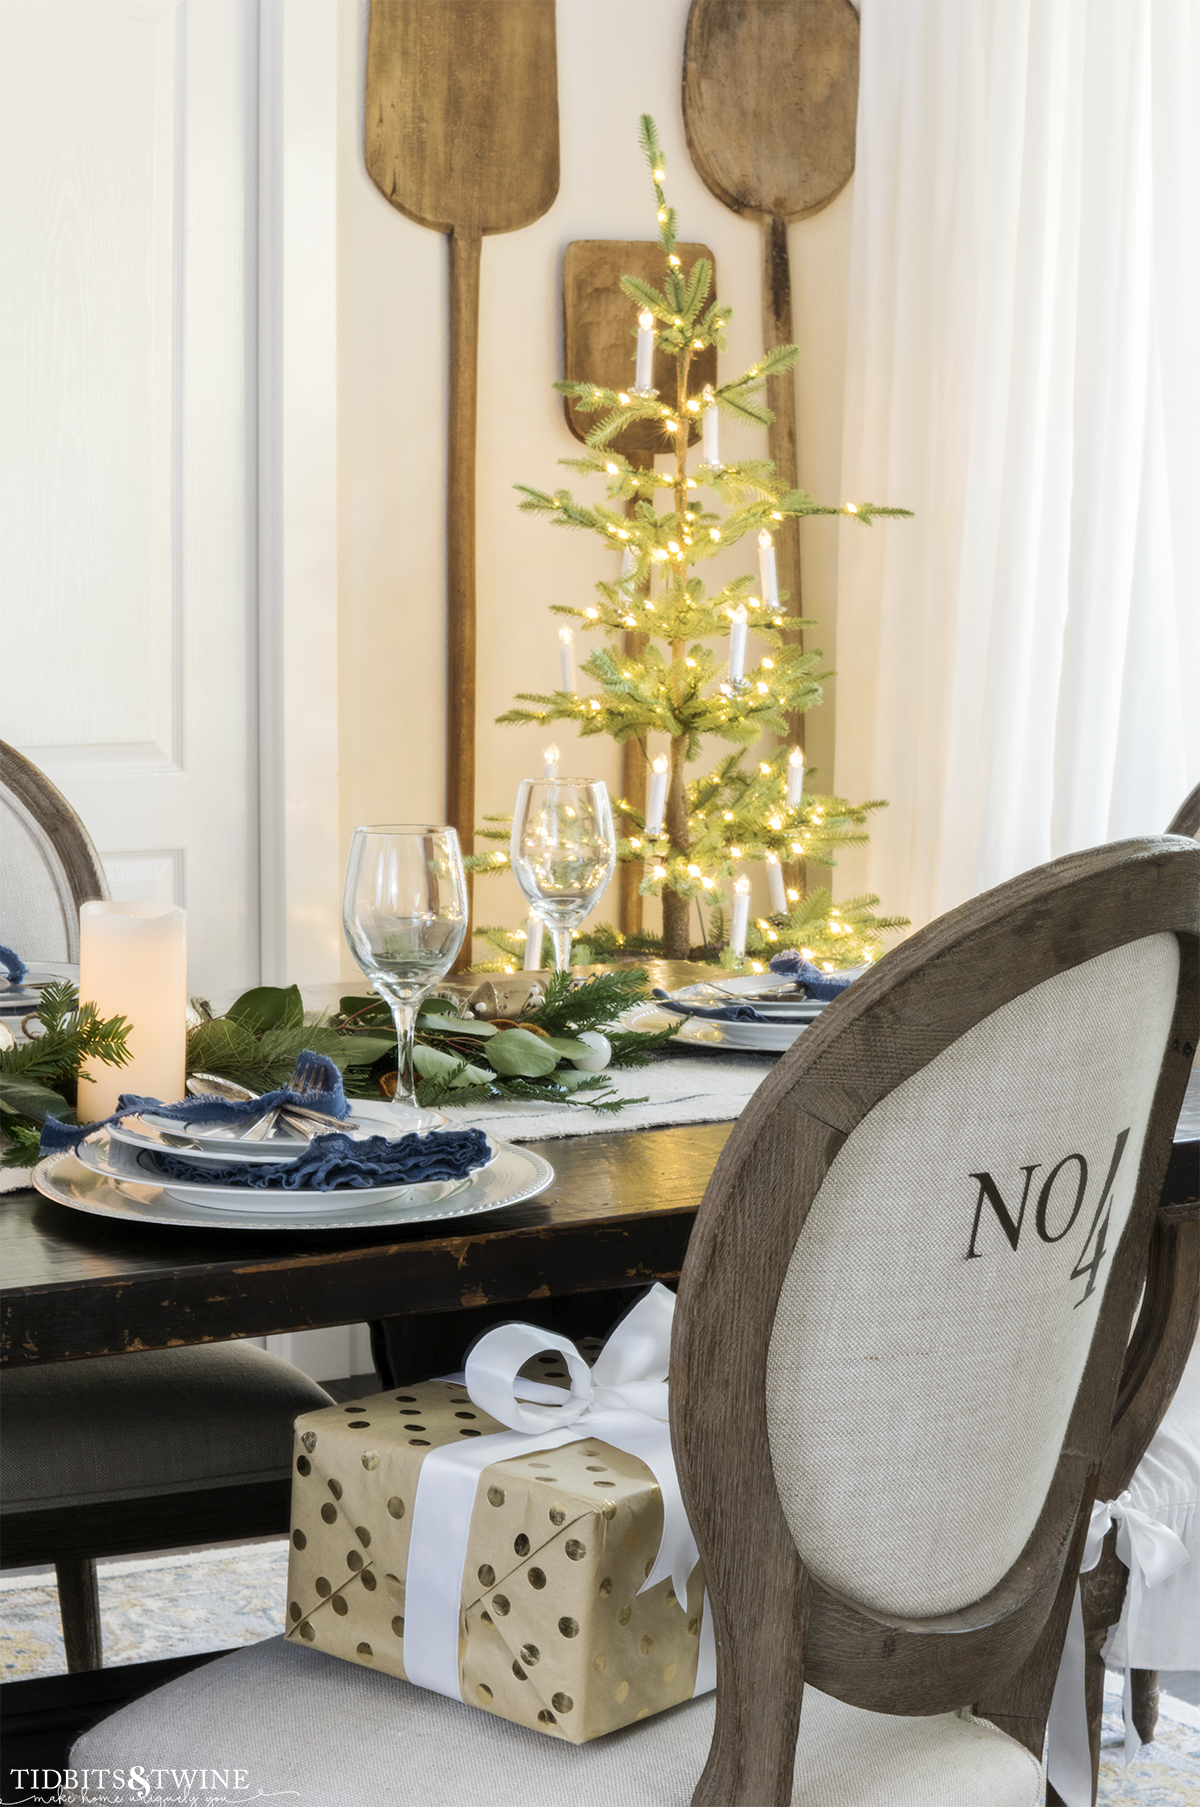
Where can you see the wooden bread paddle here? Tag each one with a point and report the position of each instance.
(462, 136)
(599, 326)
(770, 105)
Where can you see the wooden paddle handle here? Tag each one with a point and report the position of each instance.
(465, 246)
(781, 434)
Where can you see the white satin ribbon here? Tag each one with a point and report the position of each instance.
(1151, 1552)
(621, 1400)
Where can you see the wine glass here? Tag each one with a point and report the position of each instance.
(563, 852)
(404, 910)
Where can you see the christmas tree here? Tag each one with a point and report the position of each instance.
(698, 831)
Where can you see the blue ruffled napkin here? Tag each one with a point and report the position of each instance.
(792, 965)
(13, 965)
(330, 1102)
(336, 1161)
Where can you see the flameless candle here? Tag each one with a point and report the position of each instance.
(775, 885)
(795, 777)
(550, 762)
(645, 350)
(533, 942)
(566, 653)
(766, 569)
(737, 643)
(628, 564)
(658, 797)
(133, 963)
(741, 917)
(710, 444)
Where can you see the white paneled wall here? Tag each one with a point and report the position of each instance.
(330, 1354)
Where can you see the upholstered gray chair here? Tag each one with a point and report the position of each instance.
(128, 1453)
(899, 1333)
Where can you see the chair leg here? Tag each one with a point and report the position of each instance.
(1144, 1687)
(79, 1608)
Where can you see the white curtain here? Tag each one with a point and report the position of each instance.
(1018, 665)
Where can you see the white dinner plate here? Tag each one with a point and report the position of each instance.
(753, 990)
(696, 1032)
(515, 1174)
(117, 1161)
(367, 1116)
(153, 1132)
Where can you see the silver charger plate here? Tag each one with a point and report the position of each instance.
(515, 1174)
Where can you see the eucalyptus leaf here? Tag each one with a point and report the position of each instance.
(365, 1050)
(25, 1098)
(435, 1007)
(433, 1063)
(440, 1024)
(568, 1049)
(269, 1007)
(516, 1052)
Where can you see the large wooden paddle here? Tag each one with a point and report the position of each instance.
(462, 136)
(770, 104)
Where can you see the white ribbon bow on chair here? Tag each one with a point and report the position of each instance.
(1151, 1552)
(621, 1400)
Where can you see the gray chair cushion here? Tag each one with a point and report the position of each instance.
(124, 1427)
(307, 1727)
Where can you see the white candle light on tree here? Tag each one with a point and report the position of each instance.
(533, 942)
(775, 885)
(566, 653)
(657, 803)
(741, 917)
(133, 963)
(550, 762)
(766, 569)
(628, 563)
(710, 442)
(645, 350)
(737, 643)
(795, 777)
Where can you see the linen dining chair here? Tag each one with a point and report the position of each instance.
(1149, 1424)
(49, 865)
(128, 1453)
(898, 1338)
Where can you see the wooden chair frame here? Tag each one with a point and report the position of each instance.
(59, 822)
(776, 1626)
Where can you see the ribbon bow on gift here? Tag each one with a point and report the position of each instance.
(622, 1401)
(1151, 1552)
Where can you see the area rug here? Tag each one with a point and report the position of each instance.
(180, 1605)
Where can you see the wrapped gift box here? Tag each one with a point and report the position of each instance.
(552, 1632)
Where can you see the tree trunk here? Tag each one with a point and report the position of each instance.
(674, 907)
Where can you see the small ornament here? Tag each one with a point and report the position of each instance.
(599, 1056)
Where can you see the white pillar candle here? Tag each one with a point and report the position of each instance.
(566, 653)
(533, 942)
(133, 963)
(795, 777)
(710, 442)
(550, 762)
(775, 885)
(645, 350)
(628, 563)
(766, 569)
(658, 797)
(737, 643)
(741, 916)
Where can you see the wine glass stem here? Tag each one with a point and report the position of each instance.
(562, 948)
(405, 1018)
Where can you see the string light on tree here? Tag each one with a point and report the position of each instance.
(686, 677)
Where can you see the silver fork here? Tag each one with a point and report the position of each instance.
(307, 1075)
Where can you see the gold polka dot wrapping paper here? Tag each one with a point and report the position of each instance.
(553, 1632)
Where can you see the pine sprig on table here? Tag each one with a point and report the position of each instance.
(38, 1078)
